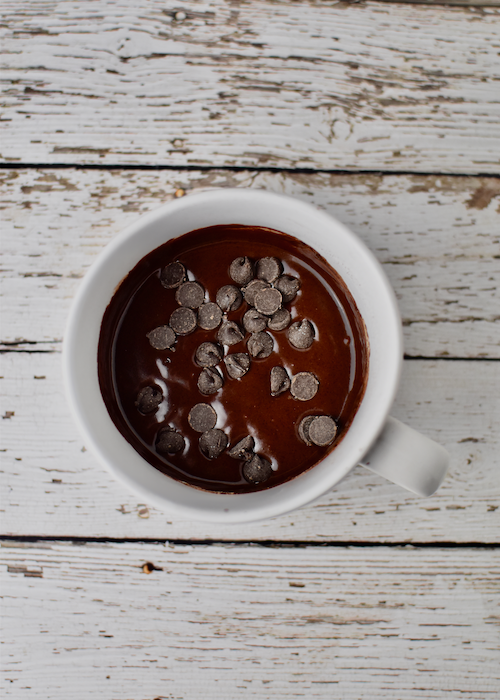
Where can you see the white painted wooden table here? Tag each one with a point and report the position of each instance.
(385, 114)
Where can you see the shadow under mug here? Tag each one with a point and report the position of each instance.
(375, 440)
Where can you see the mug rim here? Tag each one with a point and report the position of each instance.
(226, 507)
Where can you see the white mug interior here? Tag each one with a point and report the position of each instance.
(356, 265)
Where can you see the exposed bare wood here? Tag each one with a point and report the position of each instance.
(265, 83)
(53, 487)
(437, 238)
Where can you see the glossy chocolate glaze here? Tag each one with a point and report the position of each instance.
(127, 362)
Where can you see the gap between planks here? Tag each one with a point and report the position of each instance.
(7, 347)
(19, 347)
(267, 544)
(243, 169)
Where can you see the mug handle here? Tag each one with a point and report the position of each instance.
(408, 458)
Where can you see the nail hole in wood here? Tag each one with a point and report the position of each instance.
(148, 568)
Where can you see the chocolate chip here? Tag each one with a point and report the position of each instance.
(253, 321)
(301, 334)
(202, 417)
(269, 269)
(304, 386)
(230, 333)
(257, 470)
(280, 381)
(322, 430)
(148, 399)
(252, 289)
(304, 429)
(237, 364)
(288, 286)
(241, 270)
(280, 320)
(190, 294)
(209, 316)
(243, 450)
(213, 443)
(260, 345)
(208, 354)
(173, 275)
(210, 381)
(183, 321)
(229, 298)
(169, 441)
(161, 338)
(268, 301)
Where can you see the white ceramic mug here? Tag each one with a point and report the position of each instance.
(374, 440)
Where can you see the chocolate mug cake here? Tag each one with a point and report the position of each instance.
(233, 358)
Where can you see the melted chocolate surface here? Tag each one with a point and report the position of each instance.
(127, 362)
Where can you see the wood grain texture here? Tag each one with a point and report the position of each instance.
(222, 622)
(451, 3)
(372, 86)
(51, 486)
(436, 237)
(264, 84)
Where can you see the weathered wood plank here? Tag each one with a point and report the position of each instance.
(217, 622)
(437, 238)
(372, 86)
(52, 487)
(451, 3)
